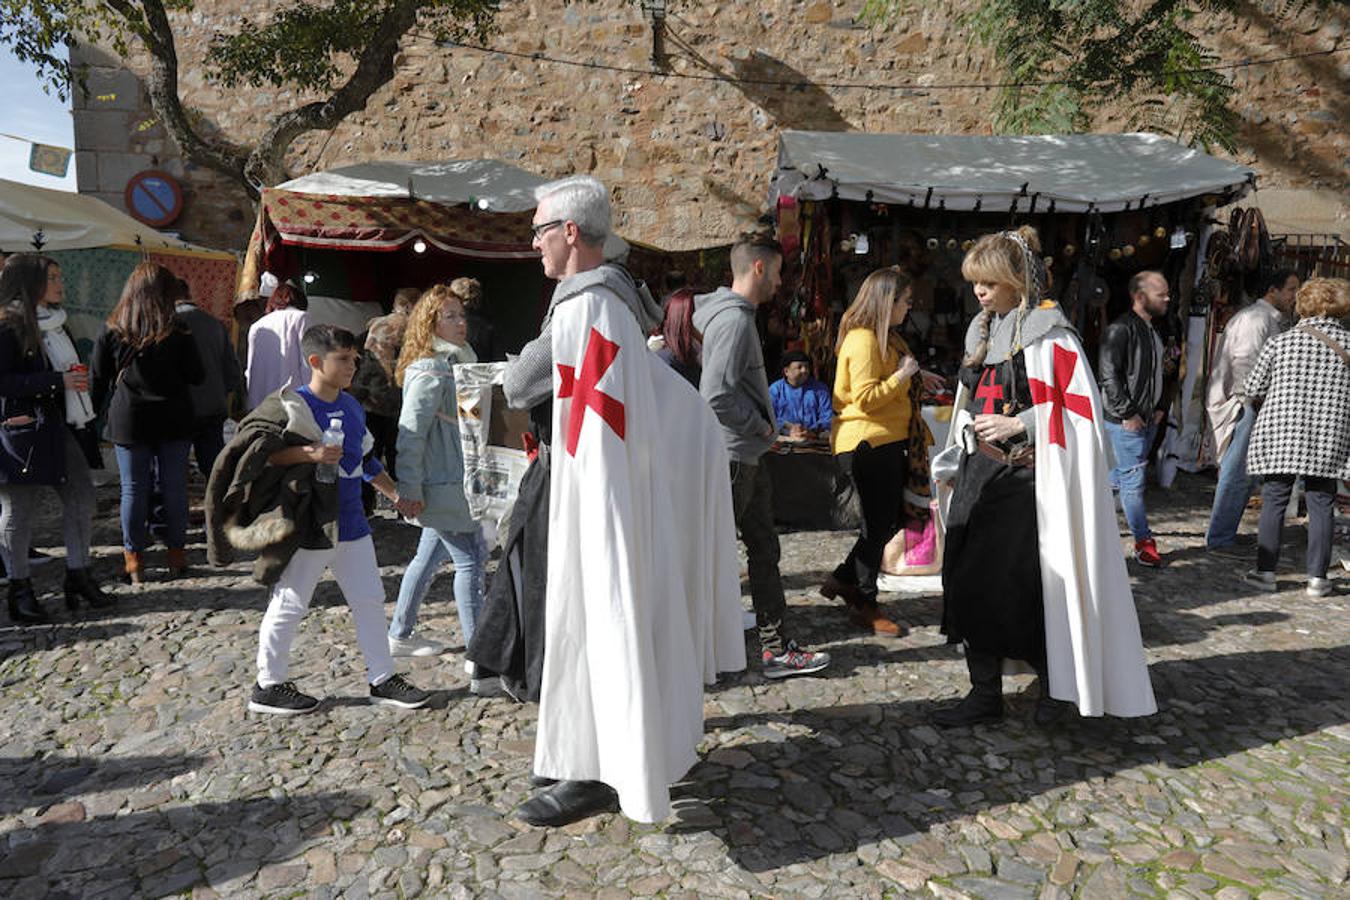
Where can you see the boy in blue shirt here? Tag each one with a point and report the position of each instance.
(801, 404)
(332, 353)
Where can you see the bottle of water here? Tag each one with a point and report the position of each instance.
(327, 473)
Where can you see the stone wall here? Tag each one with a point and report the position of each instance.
(689, 160)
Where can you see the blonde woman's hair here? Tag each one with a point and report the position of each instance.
(1011, 258)
(420, 336)
(1324, 297)
(871, 308)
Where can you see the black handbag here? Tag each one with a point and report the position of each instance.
(29, 451)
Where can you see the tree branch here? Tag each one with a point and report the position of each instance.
(151, 24)
(374, 69)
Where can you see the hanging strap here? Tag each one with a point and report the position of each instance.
(1326, 339)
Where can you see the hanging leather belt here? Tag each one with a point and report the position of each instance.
(1024, 455)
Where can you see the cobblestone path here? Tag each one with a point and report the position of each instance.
(130, 767)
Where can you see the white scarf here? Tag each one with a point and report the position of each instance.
(62, 355)
(458, 353)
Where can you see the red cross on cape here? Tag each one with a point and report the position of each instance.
(1054, 393)
(599, 356)
(989, 390)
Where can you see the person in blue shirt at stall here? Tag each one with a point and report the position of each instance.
(801, 404)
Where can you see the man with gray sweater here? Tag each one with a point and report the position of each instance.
(736, 387)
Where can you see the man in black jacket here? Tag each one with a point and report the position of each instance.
(1130, 370)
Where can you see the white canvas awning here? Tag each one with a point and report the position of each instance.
(1106, 172)
(71, 221)
(496, 186)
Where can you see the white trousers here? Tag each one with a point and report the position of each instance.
(358, 575)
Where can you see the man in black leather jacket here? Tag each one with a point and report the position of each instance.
(1130, 371)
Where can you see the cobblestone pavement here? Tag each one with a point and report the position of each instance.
(130, 766)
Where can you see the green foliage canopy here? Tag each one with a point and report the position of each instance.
(1062, 58)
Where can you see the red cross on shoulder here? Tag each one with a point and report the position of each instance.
(581, 389)
(1054, 393)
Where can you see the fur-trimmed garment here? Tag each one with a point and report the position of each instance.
(252, 506)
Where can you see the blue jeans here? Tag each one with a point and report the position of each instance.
(1235, 485)
(1131, 449)
(468, 552)
(134, 463)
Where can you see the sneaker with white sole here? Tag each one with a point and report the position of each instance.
(1262, 581)
(1318, 587)
(793, 661)
(281, 700)
(398, 691)
(415, 646)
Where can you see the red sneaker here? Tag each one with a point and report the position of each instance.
(1146, 553)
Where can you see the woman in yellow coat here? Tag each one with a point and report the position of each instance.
(877, 431)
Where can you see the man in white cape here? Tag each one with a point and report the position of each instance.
(643, 599)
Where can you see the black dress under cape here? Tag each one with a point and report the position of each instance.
(991, 565)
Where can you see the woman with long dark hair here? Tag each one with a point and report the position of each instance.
(143, 363)
(45, 440)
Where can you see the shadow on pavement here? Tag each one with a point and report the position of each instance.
(31, 781)
(856, 775)
(165, 852)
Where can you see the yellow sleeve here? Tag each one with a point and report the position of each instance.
(872, 386)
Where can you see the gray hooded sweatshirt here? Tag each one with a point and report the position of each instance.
(734, 382)
(529, 377)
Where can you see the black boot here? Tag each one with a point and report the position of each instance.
(23, 603)
(1049, 711)
(567, 802)
(984, 703)
(80, 585)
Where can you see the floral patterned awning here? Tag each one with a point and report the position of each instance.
(386, 223)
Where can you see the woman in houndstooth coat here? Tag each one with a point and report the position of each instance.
(1302, 381)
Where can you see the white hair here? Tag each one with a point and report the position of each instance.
(580, 199)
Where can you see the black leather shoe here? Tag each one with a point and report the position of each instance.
(80, 585)
(567, 802)
(1049, 712)
(977, 707)
(539, 781)
(24, 608)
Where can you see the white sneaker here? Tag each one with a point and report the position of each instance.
(415, 646)
(1318, 587)
(1264, 581)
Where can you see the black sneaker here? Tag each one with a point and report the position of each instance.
(281, 700)
(793, 661)
(396, 691)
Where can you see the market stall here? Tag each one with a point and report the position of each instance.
(97, 247)
(1106, 206)
(356, 234)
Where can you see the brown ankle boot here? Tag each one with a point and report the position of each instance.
(178, 565)
(133, 565)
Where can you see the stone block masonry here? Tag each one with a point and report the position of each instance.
(689, 160)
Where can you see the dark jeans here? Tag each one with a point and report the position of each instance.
(752, 501)
(1275, 493)
(134, 465)
(879, 474)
